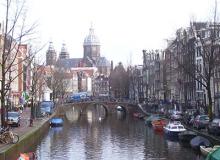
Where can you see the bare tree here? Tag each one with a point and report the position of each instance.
(206, 41)
(15, 33)
(119, 81)
(58, 82)
(37, 82)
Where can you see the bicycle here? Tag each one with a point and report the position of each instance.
(7, 136)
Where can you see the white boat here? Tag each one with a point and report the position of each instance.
(174, 128)
(119, 108)
(206, 150)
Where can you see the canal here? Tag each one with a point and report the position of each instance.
(117, 136)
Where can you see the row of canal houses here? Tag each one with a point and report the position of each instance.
(18, 76)
(60, 75)
(162, 81)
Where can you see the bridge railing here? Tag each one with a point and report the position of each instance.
(105, 101)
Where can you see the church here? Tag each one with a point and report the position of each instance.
(82, 72)
(91, 56)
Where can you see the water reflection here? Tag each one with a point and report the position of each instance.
(95, 113)
(117, 136)
(121, 115)
(56, 130)
(73, 114)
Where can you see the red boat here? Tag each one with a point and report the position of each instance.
(158, 124)
(27, 156)
(138, 115)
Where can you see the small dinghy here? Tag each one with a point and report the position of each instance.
(215, 155)
(56, 122)
(186, 136)
(206, 150)
(151, 118)
(119, 108)
(27, 156)
(138, 115)
(159, 124)
(198, 141)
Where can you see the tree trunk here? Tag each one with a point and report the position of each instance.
(3, 98)
(210, 114)
(32, 109)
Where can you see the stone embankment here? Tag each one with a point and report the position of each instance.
(29, 136)
(215, 140)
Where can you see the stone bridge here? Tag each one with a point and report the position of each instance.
(109, 107)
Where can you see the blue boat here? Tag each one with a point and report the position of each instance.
(56, 122)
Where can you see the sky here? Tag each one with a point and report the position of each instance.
(124, 27)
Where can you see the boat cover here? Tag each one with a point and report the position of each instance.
(56, 120)
(198, 141)
(215, 155)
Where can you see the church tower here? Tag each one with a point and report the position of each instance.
(91, 46)
(51, 55)
(64, 54)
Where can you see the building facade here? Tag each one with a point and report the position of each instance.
(84, 71)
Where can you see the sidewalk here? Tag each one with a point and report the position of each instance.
(24, 126)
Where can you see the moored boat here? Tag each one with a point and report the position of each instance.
(206, 150)
(186, 136)
(119, 108)
(158, 124)
(138, 115)
(56, 122)
(27, 156)
(198, 141)
(215, 155)
(151, 118)
(174, 128)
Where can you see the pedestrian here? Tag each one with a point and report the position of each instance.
(31, 122)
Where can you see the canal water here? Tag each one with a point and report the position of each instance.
(115, 137)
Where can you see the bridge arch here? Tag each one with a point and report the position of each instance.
(109, 107)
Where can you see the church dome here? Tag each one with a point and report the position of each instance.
(91, 39)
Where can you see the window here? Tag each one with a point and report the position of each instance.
(198, 51)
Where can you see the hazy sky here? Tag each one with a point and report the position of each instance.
(124, 27)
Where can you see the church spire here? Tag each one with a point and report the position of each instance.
(64, 53)
(51, 55)
(91, 29)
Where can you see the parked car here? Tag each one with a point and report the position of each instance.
(188, 116)
(46, 107)
(214, 127)
(176, 116)
(201, 121)
(13, 118)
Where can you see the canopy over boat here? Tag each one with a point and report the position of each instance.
(198, 141)
(56, 121)
(215, 155)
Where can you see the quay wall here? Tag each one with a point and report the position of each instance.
(26, 142)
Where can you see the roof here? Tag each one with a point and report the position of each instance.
(69, 63)
(102, 61)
